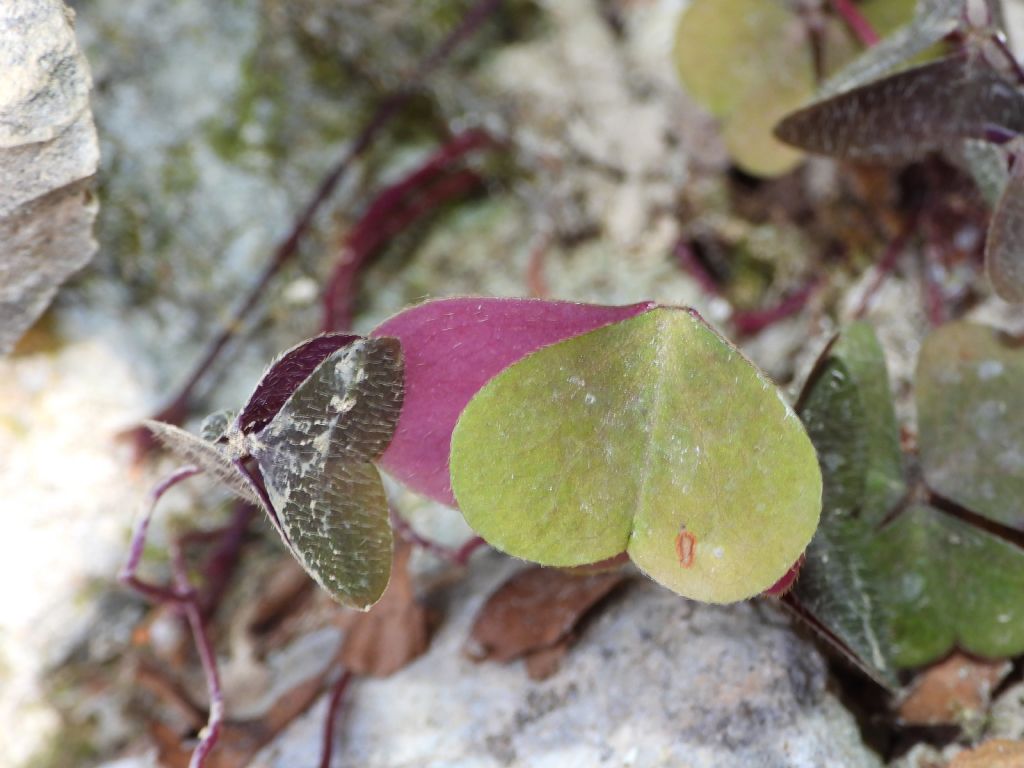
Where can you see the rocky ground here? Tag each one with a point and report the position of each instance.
(215, 123)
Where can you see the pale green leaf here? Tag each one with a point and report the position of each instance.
(652, 436)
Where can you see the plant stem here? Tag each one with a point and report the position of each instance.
(176, 410)
(458, 556)
(753, 321)
(394, 209)
(332, 716)
(183, 595)
(886, 265)
(692, 266)
(854, 19)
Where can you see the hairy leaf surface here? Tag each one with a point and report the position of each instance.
(315, 457)
(452, 348)
(652, 436)
(899, 587)
(904, 115)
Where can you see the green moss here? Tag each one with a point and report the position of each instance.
(180, 175)
(255, 119)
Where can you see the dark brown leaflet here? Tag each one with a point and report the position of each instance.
(1004, 247)
(902, 116)
(315, 456)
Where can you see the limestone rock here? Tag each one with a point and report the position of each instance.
(655, 681)
(48, 154)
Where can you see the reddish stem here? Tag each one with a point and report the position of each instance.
(855, 20)
(692, 266)
(457, 557)
(183, 595)
(332, 716)
(176, 410)
(750, 322)
(221, 562)
(204, 647)
(128, 574)
(892, 254)
(394, 209)
(934, 299)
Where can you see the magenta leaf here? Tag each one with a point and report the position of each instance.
(452, 348)
(284, 376)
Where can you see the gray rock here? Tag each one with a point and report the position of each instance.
(48, 154)
(655, 681)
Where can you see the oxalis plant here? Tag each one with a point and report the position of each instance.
(966, 102)
(567, 434)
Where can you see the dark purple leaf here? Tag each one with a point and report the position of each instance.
(909, 113)
(1004, 248)
(284, 375)
(452, 348)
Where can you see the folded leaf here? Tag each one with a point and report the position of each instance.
(315, 458)
(452, 348)
(653, 436)
(904, 115)
(317, 419)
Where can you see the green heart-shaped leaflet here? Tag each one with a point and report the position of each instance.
(749, 62)
(652, 436)
(900, 587)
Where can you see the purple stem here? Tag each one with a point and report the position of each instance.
(893, 251)
(183, 595)
(458, 556)
(393, 210)
(749, 322)
(129, 571)
(201, 637)
(692, 266)
(332, 716)
(934, 300)
(175, 411)
(855, 20)
(221, 562)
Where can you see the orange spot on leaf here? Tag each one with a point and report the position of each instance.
(686, 547)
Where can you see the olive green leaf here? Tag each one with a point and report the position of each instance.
(848, 412)
(750, 62)
(652, 436)
(900, 587)
(316, 459)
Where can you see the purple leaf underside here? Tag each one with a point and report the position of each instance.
(284, 376)
(452, 348)
(909, 113)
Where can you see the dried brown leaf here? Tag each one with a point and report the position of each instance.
(952, 689)
(536, 609)
(998, 753)
(542, 664)
(239, 741)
